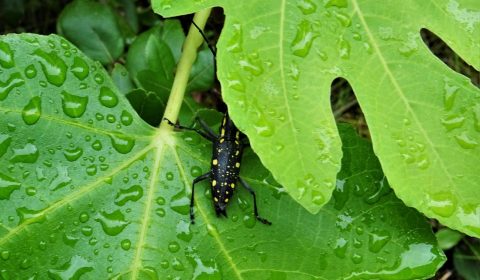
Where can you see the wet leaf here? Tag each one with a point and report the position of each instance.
(89, 190)
(276, 70)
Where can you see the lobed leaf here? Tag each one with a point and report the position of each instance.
(88, 190)
(276, 67)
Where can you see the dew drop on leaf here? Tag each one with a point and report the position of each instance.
(252, 65)
(235, 82)
(72, 269)
(30, 71)
(53, 67)
(33, 216)
(32, 111)
(340, 248)
(183, 231)
(126, 244)
(177, 265)
(195, 171)
(126, 118)
(108, 98)
(28, 154)
(5, 255)
(306, 6)
(5, 141)
(73, 154)
(357, 258)
(303, 40)
(235, 43)
(122, 143)
(263, 127)
(452, 122)
(212, 230)
(91, 170)
(79, 68)
(134, 193)
(249, 221)
(180, 203)
(442, 203)
(344, 48)
(7, 186)
(343, 18)
(377, 240)
(173, 247)
(449, 95)
(336, 3)
(15, 80)
(97, 145)
(112, 223)
(6, 56)
(61, 179)
(465, 141)
(73, 105)
(84, 217)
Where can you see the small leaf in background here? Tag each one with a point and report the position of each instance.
(93, 28)
(121, 78)
(128, 16)
(87, 189)
(148, 105)
(466, 259)
(448, 238)
(202, 74)
(151, 63)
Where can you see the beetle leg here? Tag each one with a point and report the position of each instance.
(250, 190)
(205, 133)
(196, 180)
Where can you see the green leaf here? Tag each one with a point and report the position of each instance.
(276, 69)
(121, 78)
(93, 28)
(467, 259)
(448, 238)
(88, 190)
(149, 105)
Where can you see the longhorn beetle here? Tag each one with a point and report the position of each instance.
(225, 165)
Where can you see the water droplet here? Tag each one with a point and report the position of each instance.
(72, 269)
(249, 221)
(15, 80)
(74, 106)
(340, 195)
(357, 258)
(108, 98)
(6, 56)
(87, 230)
(28, 154)
(377, 240)
(126, 244)
(7, 186)
(79, 68)
(263, 127)
(235, 43)
(195, 171)
(381, 190)
(126, 118)
(180, 203)
(203, 269)
(32, 111)
(84, 217)
(112, 223)
(340, 247)
(177, 265)
(251, 64)
(5, 141)
(235, 82)
(452, 122)
(304, 38)
(61, 179)
(450, 94)
(97, 145)
(442, 203)
(410, 46)
(67, 240)
(212, 230)
(5, 255)
(72, 154)
(465, 141)
(294, 72)
(343, 18)
(344, 48)
(30, 71)
(307, 6)
(173, 247)
(336, 3)
(91, 170)
(134, 193)
(30, 191)
(317, 198)
(53, 67)
(32, 216)
(183, 231)
(169, 176)
(122, 143)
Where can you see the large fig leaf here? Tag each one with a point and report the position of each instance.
(277, 59)
(88, 190)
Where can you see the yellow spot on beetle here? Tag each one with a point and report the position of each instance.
(224, 121)
(237, 135)
(226, 200)
(232, 185)
(221, 140)
(237, 152)
(237, 165)
(223, 132)
(215, 162)
(214, 183)
(216, 199)
(226, 192)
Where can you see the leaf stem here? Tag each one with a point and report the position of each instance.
(189, 54)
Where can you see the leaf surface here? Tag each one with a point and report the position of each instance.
(276, 66)
(87, 189)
